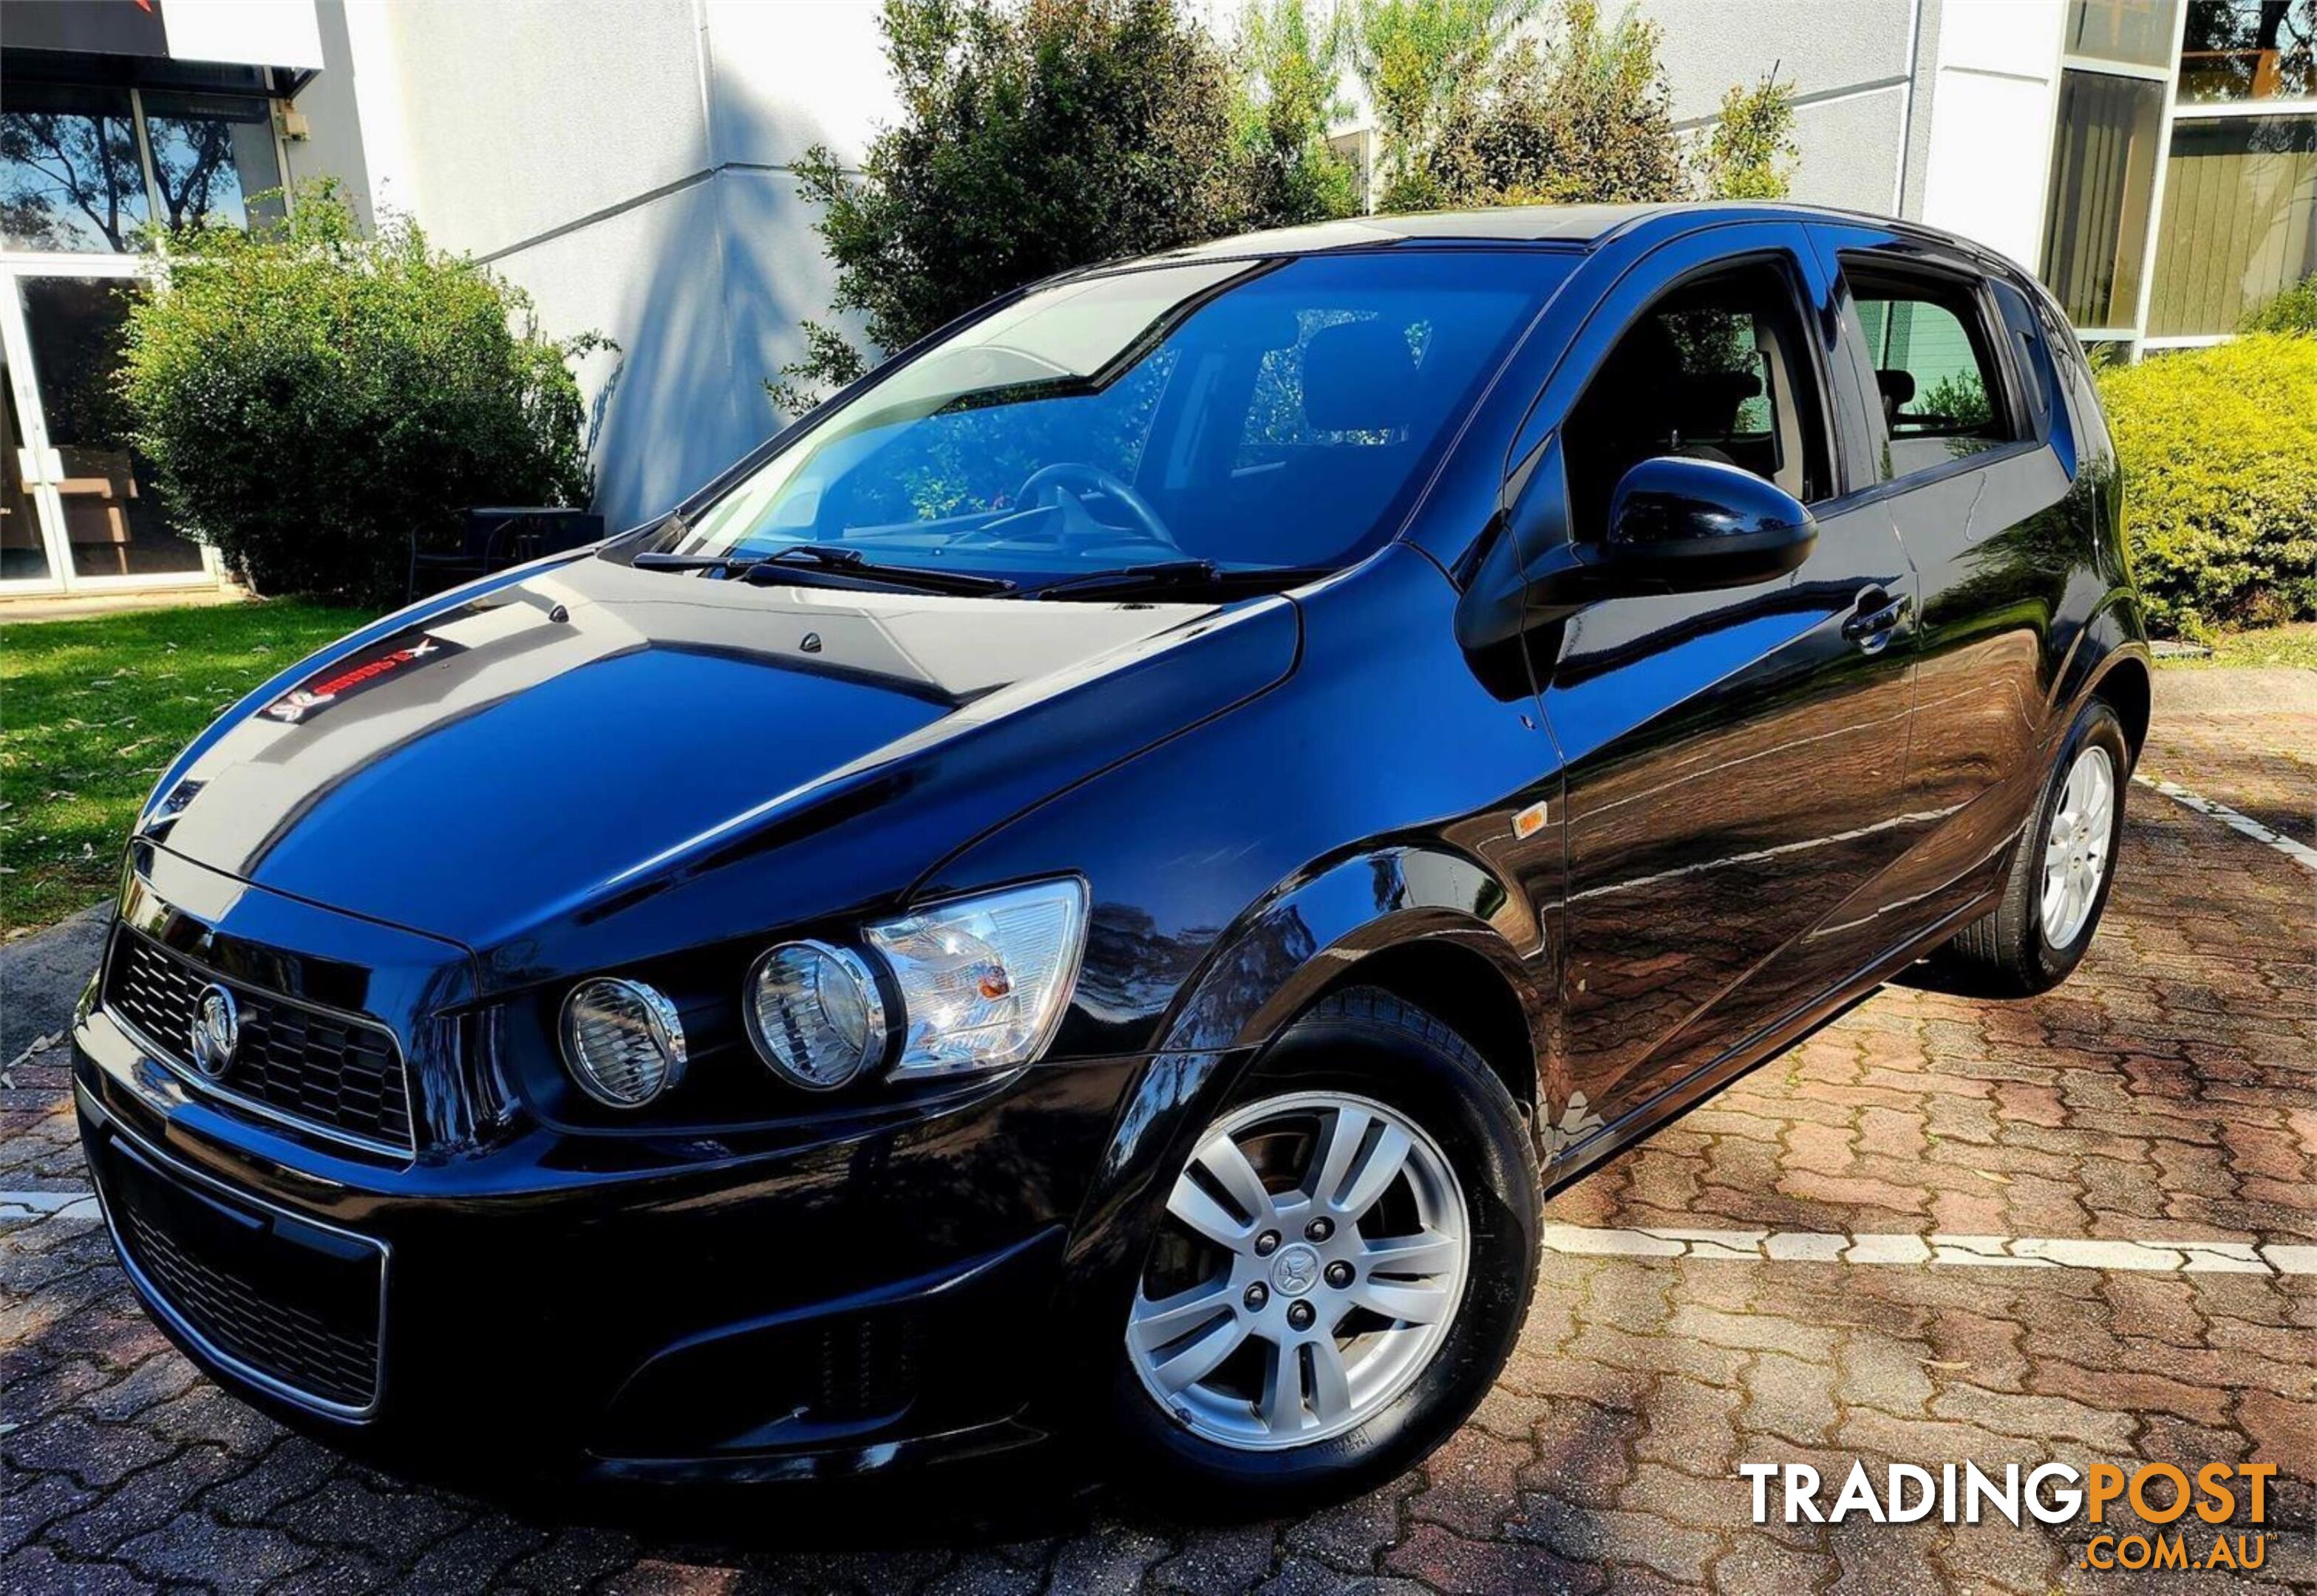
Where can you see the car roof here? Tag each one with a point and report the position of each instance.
(1560, 227)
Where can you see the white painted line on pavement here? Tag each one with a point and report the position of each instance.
(48, 1205)
(2298, 852)
(1909, 1250)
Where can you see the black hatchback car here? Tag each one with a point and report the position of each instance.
(1098, 878)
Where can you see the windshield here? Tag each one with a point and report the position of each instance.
(1262, 415)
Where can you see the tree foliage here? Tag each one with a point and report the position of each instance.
(1750, 151)
(1585, 118)
(310, 398)
(1421, 62)
(1473, 115)
(1035, 136)
(1039, 135)
(1290, 67)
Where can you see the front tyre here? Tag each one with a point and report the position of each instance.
(1342, 1267)
(2062, 871)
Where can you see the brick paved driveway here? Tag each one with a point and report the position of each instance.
(2165, 1095)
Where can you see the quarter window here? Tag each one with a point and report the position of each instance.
(1935, 370)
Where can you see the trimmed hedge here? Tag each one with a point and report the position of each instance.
(2219, 452)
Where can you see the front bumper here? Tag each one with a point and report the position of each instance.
(624, 1306)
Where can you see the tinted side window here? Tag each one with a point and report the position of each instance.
(1935, 365)
(1716, 369)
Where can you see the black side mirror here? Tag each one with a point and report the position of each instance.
(1676, 525)
(1692, 524)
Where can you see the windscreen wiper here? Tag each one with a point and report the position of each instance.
(840, 562)
(1174, 575)
(848, 562)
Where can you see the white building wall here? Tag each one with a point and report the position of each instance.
(1851, 65)
(628, 163)
(1997, 96)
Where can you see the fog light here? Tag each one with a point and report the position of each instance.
(623, 1041)
(815, 1014)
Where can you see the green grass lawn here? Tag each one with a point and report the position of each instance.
(91, 710)
(2294, 644)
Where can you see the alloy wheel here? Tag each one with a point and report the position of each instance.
(1313, 1263)
(2075, 848)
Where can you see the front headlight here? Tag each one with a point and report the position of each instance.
(983, 981)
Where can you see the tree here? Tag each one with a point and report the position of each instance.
(311, 398)
(1035, 136)
(1585, 120)
(1420, 60)
(1289, 69)
(1751, 149)
(1474, 117)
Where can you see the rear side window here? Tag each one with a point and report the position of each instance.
(1937, 371)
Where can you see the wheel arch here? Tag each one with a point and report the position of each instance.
(2108, 659)
(1430, 923)
(1433, 926)
(2128, 687)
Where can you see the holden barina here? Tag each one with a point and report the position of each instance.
(1095, 882)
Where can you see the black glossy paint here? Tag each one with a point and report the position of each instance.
(1632, 832)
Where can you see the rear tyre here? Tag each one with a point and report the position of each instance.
(2060, 874)
(1343, 1266)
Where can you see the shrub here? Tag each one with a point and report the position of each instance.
(310, 398)
(2293, 311)
(2219, 452)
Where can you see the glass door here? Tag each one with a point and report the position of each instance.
(26, 563)
(100, 523)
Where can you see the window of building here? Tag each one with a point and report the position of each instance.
(71, 177)
(2103, 180)
(2249, 50)
(74, 172)
(2136, 31)
(2240, 220)
(1718, 370)
(211, 153)
(1935, 365)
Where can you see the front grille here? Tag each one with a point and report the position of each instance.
(308, 1065)
(290, 1302)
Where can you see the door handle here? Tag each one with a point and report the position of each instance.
(1876, 615)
